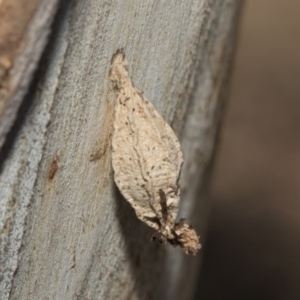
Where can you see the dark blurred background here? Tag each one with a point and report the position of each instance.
(252, 250)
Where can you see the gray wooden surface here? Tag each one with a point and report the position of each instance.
(24, 30)
(66, 232)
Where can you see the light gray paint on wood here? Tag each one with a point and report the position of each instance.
(66, 232)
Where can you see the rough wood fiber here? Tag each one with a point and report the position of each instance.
(24, 29)
(66, 232)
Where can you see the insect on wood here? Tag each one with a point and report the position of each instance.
(147, 159)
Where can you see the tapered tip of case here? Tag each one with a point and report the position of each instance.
(182, 235)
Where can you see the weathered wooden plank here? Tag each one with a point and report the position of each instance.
(24, 29)
(66, 232)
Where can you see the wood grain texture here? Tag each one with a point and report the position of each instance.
(66, 232)
(24, 31)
